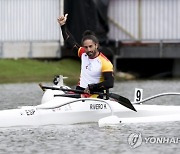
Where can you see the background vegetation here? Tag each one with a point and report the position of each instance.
(28, 70)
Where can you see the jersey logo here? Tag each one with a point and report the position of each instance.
(88, 67)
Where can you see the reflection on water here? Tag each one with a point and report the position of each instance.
(88, 138)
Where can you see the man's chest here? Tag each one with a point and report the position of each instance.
(92, 66)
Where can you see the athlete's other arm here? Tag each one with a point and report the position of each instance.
(106, 84)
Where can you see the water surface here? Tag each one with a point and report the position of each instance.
(89, 138)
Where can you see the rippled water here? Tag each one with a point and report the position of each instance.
(89, 138)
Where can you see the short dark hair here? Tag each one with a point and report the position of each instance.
(89, 35)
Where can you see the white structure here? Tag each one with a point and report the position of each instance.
(29, 28)
(146, 20)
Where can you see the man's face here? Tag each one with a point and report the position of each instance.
(90, 48)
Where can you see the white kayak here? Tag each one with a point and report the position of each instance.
(55, 109)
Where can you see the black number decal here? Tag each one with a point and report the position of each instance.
(138, 95)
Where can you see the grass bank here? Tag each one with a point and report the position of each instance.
(28, 70)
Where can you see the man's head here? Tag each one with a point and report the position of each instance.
(90, 43)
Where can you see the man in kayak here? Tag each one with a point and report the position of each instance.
(96, 70)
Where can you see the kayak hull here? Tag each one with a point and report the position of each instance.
(64, 111)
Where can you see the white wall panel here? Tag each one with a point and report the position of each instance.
(123, 16)
(29, 20)
(144, 19)
(35, 20)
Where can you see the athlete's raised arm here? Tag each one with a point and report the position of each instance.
(68, 38)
